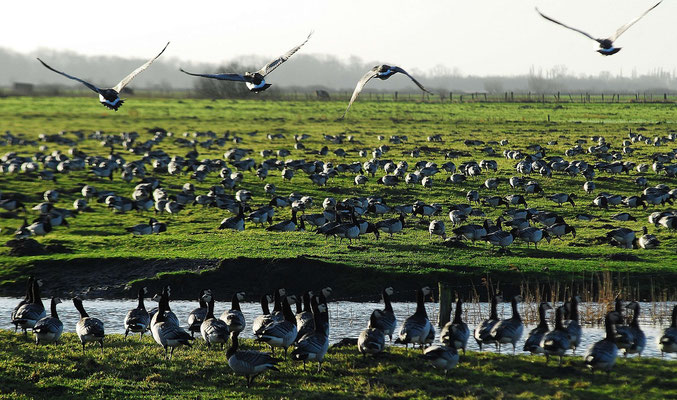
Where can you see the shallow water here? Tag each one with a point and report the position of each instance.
(347, 319)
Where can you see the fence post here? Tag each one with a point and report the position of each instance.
(395, 96)
(445, 304)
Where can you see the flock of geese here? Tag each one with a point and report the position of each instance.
(307, 329)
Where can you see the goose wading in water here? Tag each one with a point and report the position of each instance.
(255, 81)
(110, 98)
(137, 319)
(509, 330)
(638, 336)
(385, 320)
(213, 330)
(573, 325)
(602, 355)
(31, 312)
(416, 327)
(556, 342)
(49, 329)
(455, 333)
(314, 345)
(198, 315)
(533, 342)
(606, 45)
(89, 329)
(482, 333)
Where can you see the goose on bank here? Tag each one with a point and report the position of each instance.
(166, 333)
(441, 357)
(265, 318)
(372, 340)
(667, 343)
(89, 329)
(27, 299)
(110, 98)
(137, 319)
(170, 317)
(49, 329)
(391, 226)
(282, 333)
(533, 342)
(289, 225)
(455, 333)
(556, 342)
(235, 223)
(638, 336)
(482, 333)
(30, 313)
(304, 318)
(385, 320)
(248, 362)
(234, 317)
(573, 325)
(255, 81)
(509, 330)
(198, 315)
(602, 354)
(416, 327)
(314, 345)
(213, 330)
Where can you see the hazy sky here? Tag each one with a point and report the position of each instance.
(478, 37)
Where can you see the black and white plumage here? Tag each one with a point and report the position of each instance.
(255, 81)
(282, 333)
(49, 329)
(213, 330)
(573, 324)
(265, 318)
(482, 333)
(533, 342)
(234, 317)
(197, 315)
(89, 329)
(304, 319)
(606, 45)
(624, 336)
(602, 355)
(638, 337)
(170, 317)
(667, 343)
(455, 333)
(31, 312)
(372, 340)
(166, 333)
(110, 97)
(235, 223)
(416, 328)
(247, 362)
(385, 320)
(137, 319)
(556, 342)
(509, 330)
(382, 72)
(314, 345)
(441, 357)
(27, 299)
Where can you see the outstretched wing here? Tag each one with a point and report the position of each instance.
(625, 27)
(566, 26)
(89, 85)
(360, 85)
(223, 77)
(400, 70)
(270, 67)
(118, 88)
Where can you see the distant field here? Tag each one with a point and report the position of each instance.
(193, 233)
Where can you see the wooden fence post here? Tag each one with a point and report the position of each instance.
(445, 304)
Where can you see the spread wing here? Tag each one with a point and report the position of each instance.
(118, 88)
(270, 67)
(400, 70)
(223, 77)
(625, 27)
(89, 85)
(566, 26)
(360, 85)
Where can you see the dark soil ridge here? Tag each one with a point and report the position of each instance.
(117, 278)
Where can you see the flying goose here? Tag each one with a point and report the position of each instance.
(556, 342)
(282, 333)
(667, 343)
(533, 342)
(49, 329)
(110, 97)
(573, 325)
(248, 362)
(314, 345)
(385, 320)
(606, 46)
(166, 333)
(234, 317)
(137, 319)
(442, 357)
(482, 333)
(455, 333)
(416, 327)
(638, 337)
(89, 329)
(255, 81)
(30, 313)
(509, 330)
(213, 330)
(372, 340)
(198, 315)
(602, 355)
(382, 72)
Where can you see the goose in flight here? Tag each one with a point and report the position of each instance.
(255, 81)
(381, 72)
(110, 97)
(606, 46)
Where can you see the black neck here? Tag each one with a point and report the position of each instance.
(317, 317)
(420, 303)
(53, 309)
(264, 305)
(141, 305)
(210, 309)
(306, 302)
(515, 310)
(29, 291)
(278, 303)
(459, 312)
(558, 319)
(201, 300)
(674, 317)
(235, 303)
(573, 315)
(78, 305)
(233, 347)
(542, 322)
(386, 301)
(635, 315)
(162, 308)
(286, 311)
(493, 314)
(36, 293)
(609, 328)
(165, 301)
(299, 305)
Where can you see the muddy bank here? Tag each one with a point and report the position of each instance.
(121, 278)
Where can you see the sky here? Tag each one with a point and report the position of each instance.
(473, 37)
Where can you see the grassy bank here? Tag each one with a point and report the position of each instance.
(133, 370)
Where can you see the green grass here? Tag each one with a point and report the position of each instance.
(193, 233)
(136, 369)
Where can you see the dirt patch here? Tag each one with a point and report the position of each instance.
(623, 257)
(31, 247)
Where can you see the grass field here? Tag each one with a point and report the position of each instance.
(136, 369)
(193, 234)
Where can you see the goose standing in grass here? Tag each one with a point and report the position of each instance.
(647, 241)
(314, 345)
(602, 355)
(509, 330)
(110, 98)
(165, 332)
(385, 320)
(304, 319)
(255, 81)
(573, 325)
(198, 315)
(170, 317)
(441, 357)
(416, 327)
(234, 317)
(561, 198)
(391, 226)
(89, 329)
(265, 318)
(556, 342)
(283, 333)
(533, 342)
(30, 313)
(248, 362)
(482, 333)
(235, 223)
(638, 336)
(623, 237)
(372, 340)
(49, 329)
(137, 319)
(456, 333)
(437, 228)
(667, 343)
(289, 225)
(213, 330)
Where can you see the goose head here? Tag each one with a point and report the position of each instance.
(389, 291)
(240, 296)
(327, 291)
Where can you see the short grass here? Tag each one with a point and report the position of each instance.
(193, 233)
(134, 369)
